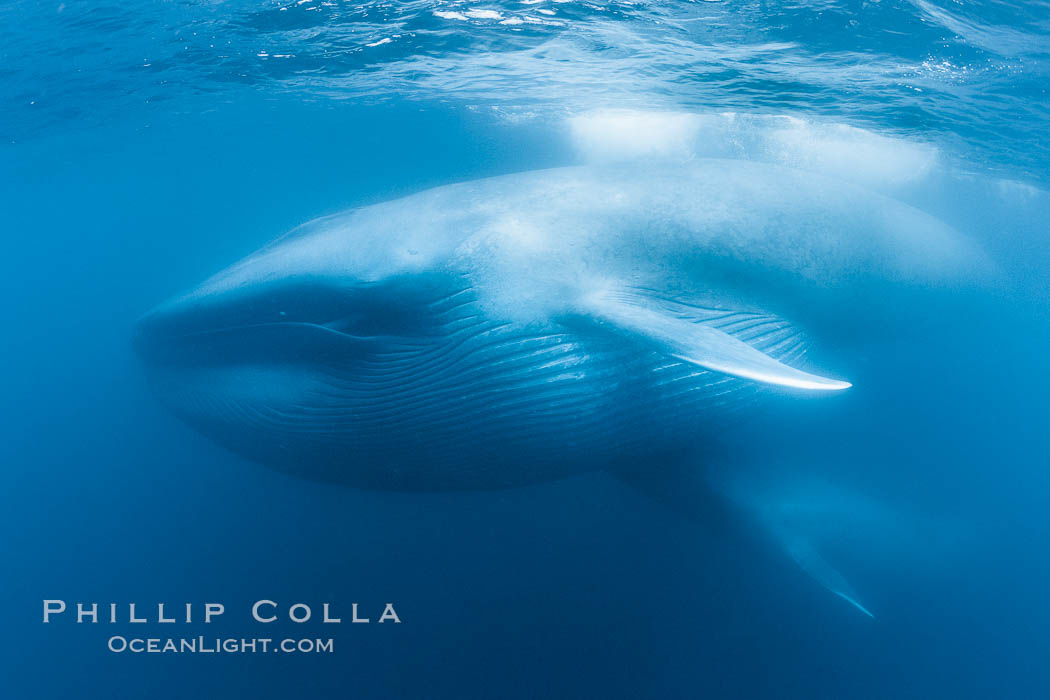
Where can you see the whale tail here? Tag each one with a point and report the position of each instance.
(811, 561)
(795, 521)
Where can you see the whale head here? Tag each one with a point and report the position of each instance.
(300, 355)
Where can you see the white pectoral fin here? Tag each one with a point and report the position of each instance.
(701, 344)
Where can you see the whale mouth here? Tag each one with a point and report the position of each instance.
(306, 322)
(378, 386)
(290, 342)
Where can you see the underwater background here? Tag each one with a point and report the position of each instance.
(144, 146)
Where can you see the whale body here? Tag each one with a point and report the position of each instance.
(525, 327)
(519, 328)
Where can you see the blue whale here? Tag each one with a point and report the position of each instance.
(523, 328)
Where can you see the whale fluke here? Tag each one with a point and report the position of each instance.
(810, 561)
(690, 491)
(700, 344)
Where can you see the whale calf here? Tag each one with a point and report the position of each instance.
(525, 327)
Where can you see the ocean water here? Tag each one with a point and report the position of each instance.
(145, 146)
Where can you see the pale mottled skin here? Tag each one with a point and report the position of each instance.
(531, 243)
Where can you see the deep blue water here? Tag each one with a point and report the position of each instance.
(147, 145)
